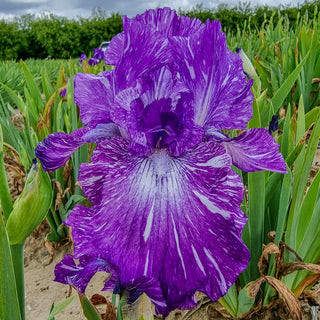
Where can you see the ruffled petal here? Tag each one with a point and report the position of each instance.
(148, 50)
(255, 149)
(94, 96)
(68, 272)
(162, 20)
(222, 96)
(175, 220)
(79, 275)
(54, 151)
(114, 51)
(101, 132)
(157, 113)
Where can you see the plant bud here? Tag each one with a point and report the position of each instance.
(31, 207)
(248, 68)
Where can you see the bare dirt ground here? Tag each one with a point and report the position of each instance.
(41, 291)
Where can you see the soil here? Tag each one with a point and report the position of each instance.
(41, 291)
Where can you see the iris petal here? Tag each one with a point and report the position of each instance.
(79, 275)
(68, 272)
(58, 147)
(222, 96)
(254, 150)
(176, 222)
(94, 96)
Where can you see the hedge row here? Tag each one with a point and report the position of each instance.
(32, 37)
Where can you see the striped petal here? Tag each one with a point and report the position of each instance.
(94, 96)
(55, 150)
(175, 220)
(254, 150)
(222, 96)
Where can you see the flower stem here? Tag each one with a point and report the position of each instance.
(18, 266)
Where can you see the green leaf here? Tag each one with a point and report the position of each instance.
(5, 196)
(33, 88)
(301, 129)
(307, 209)
(60, 306)
(88, 308)
(246, 302)
(256, 218)
(9, 305)
(285, 88)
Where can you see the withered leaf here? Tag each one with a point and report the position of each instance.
(111, 313)
(263, 262)
(288, 297)
(308, 281)
(98, 299)
(290, 267)
(254, 286)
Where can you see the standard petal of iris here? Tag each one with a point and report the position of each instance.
(114, 50)
(57, 148)
(148, 50)
(94, 95)
(255, 149)
(176, 220)
(222, 96)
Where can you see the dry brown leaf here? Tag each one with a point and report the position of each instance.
(49, 247)
(111, 313)
(98, 299)
(308, 281)
(290, 267)
(254, 287)
(288, 297)
(263, 262)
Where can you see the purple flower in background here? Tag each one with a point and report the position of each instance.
(98, 55)
(165, 201)
(82, 57)
(274, 124)
(63, 92)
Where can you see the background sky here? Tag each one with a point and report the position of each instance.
(74, 8)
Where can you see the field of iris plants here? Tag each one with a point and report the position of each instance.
(282, 232)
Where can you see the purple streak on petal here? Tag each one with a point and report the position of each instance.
(94, 96)
(57, 148)
(254, 150)
(173, 221)
(79, 276)
(222, 96)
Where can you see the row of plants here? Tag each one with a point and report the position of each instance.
(29, 36)
(283, 210)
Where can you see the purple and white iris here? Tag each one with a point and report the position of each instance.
(165, 216)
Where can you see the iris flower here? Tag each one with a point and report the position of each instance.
(165, 212)
(82, 57)
(96, 58)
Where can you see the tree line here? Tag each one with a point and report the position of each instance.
(30, 36)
